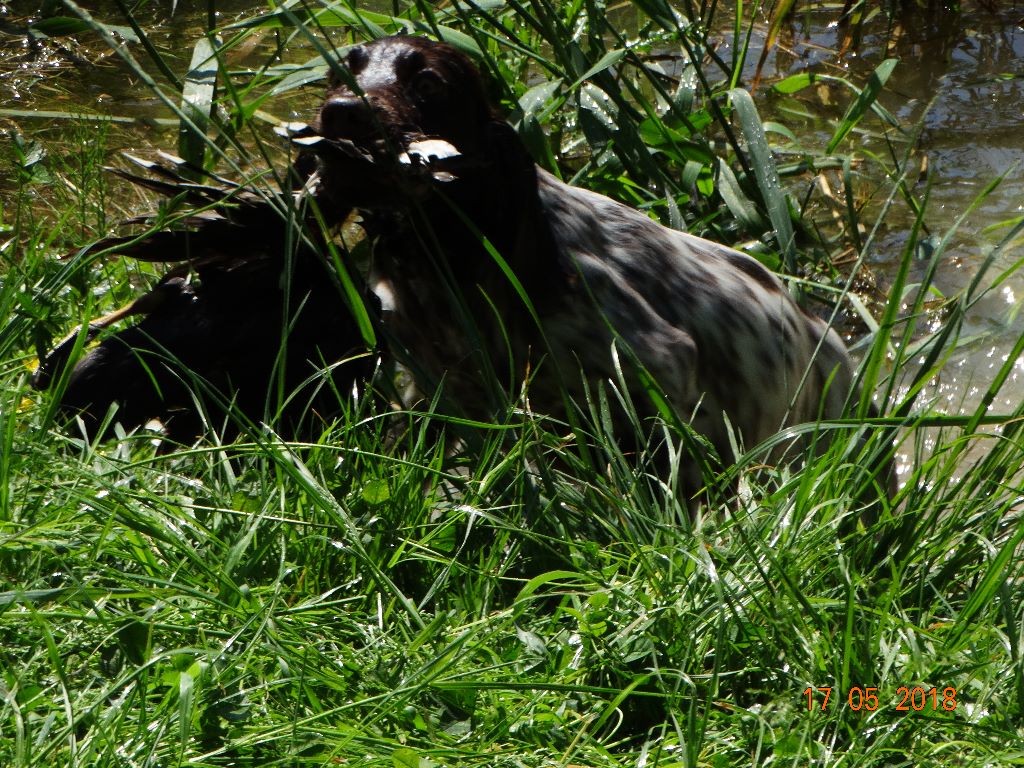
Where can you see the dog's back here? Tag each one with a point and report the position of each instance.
(717, 330)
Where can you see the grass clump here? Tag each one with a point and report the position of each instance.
(378, 599)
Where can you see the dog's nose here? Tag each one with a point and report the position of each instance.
(346, 118)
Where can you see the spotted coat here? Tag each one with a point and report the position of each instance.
(604, 284)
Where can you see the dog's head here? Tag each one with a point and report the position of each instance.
(401, 111)
(405, 89)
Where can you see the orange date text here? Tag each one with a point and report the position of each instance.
(865, 699)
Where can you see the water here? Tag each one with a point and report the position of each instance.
(960, 76)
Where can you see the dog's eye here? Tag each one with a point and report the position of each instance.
(427, 85)
(356, 59)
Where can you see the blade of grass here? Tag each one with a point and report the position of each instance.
(860, 107)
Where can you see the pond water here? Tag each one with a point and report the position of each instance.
(79, 75)
(961, 75)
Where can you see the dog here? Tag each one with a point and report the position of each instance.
(490, 269)
(493, 283)
(251, 327)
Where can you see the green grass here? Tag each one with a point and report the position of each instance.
(374, 599)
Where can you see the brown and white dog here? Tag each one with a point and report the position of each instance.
(495, 281)
(598, 287)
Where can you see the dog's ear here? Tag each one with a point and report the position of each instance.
(513, 165)
(536, 256)
(342, 71)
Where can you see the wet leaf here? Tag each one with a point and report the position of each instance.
(863, 103)
(741, 206)
(795, 83)
(313, 70)
(59, 26)
(197, 103)
(766, 173)
(610, 59)
(597, 115)
(536, 100)
(62, 26)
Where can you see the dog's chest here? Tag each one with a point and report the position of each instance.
(453, 337)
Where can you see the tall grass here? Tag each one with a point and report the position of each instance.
(535, 598)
